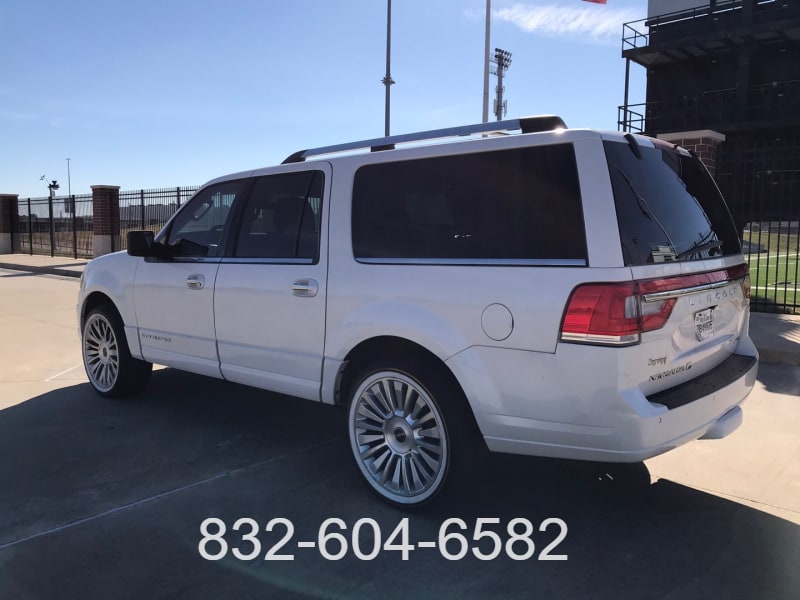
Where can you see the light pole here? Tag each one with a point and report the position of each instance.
(69, 181)
(387, 80)
(486, 62)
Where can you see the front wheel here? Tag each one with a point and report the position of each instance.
(407, 435)
(111, 369)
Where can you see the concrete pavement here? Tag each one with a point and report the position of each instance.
(777, 337)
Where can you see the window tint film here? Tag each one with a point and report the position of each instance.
(282, 217)
(198, 229)
(521, 204)
(668, 207)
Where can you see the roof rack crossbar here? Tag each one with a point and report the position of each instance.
(525, 124)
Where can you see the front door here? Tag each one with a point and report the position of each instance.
(174, 295)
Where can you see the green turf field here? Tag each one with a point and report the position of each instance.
(774, 281)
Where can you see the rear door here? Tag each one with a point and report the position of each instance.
(682, 247)
(270, 294)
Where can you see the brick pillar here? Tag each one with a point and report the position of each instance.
(9, 224)
(105, 219)
(703, 142)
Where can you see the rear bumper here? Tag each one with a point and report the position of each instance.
(729, 371)
(542, 405)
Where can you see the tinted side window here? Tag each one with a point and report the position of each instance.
(521, 204)
(198, 229)
(668, 207)
(282, 217)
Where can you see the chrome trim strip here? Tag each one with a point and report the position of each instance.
(606, 340)
(510, 262)
(659, 296)
(231, 260)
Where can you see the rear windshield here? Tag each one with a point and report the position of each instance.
(668, 207)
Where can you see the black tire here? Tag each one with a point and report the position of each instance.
(410, 431)
(111, 369)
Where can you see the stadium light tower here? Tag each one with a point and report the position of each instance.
(501, 60)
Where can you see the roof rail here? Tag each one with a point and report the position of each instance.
(524, 124)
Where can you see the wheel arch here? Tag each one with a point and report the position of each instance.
(383, 348)
(100, 298)
(92, 301)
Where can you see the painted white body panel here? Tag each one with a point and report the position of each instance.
(267, 336)
(569, 406)
(176, 322)
(112, 275)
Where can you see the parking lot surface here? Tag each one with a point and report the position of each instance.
(105, 499)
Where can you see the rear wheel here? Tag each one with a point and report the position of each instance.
(111, 369)
(409, 431)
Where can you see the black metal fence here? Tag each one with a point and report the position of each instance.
(63, 226)
(760, 177)
(149, 209)
(56, 226)
(772, 249)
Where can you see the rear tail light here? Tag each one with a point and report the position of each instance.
(617, 314)
(612, 314)
(602, 313)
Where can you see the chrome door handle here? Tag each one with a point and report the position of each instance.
(195, 282)
(305, 288)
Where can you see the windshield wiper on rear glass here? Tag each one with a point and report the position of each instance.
(701, 248)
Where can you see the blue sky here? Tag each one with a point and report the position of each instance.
(163, 93)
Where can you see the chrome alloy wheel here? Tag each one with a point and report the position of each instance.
(398, 437)
(100, 352)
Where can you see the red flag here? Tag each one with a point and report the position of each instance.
(596, 1)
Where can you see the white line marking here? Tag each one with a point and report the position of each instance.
(166, 494)
(306, 544)
(64, 372)
(773, 288)
(770, 257)
(426, 544)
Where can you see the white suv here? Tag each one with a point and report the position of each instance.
(562, 293)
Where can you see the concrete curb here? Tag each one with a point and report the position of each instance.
(41, 270)
(777, 337)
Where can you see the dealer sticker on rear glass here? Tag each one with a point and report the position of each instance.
(704, 324)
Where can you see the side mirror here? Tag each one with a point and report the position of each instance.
(142, 243)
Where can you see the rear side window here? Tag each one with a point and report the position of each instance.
(281, 219)
(668, 207)
(520, 205)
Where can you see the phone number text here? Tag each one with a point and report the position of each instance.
(485, 539)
